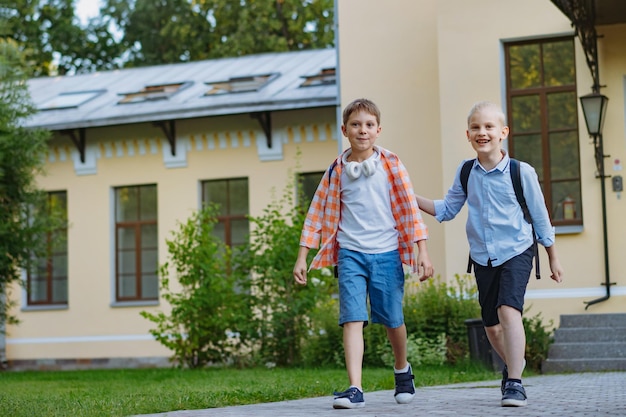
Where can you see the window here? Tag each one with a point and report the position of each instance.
(153, 92)
(47, 281)
(542, 113)
(232, 197)
(327, 76)
(70, 100)
(136, 243)
(307, 183)
(239, 84)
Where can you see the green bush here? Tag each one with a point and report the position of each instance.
(283, 308)
(206, 324)
(539, 337)
(434, 307)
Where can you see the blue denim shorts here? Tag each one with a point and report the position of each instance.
(379, 276)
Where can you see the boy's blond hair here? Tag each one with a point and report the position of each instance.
(361, 104)
(481, 105)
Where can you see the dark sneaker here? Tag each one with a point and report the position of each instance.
(405, 388)
(350, 398)
(514, 395)
(505, 376)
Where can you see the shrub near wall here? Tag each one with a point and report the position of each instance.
(434, 308)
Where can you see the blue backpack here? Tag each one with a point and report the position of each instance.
(519, 193)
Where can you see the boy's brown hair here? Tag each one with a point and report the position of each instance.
(361, 104)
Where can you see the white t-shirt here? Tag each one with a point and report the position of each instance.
(366, 224)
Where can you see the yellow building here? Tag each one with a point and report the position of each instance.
(426, 62)
(137, 150)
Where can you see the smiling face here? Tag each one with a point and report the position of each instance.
(362, 129)
(486, 130)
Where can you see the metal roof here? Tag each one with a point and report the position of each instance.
(281, 92)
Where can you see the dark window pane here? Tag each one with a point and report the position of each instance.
(528, 149)
(149, 237)
(149, 287)
(126, 204)
(566, 197)
(562, 110)
(231, 195)
(148, 198)
(564, 155)
(59, 291)
(238, 196)
(558, 63)
(127, 286)
(149, 261)
(239, 231)
(126, 262)
(219, 230)
(126, 238)
(59, 265)
(38, 290)
(526, 114)
(216, 192)
(308, 183)
(525, 64)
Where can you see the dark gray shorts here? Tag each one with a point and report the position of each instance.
(503, 285)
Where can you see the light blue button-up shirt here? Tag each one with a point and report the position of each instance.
(496, 229)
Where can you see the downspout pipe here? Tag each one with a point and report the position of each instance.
(599, 145)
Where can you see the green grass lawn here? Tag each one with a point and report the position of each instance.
(145, 391)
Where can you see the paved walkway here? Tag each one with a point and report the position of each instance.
(569, 395)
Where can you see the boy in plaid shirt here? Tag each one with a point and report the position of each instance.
(366, 215)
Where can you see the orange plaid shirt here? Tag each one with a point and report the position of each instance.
(322, 220)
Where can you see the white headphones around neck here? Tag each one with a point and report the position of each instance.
(355, 169)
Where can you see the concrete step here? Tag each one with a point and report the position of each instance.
(599, 350)
(593, 320)
(583, 365)
(598, 334)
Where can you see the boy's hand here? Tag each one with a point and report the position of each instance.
(425, 266)
(299, 272)
(557, 271)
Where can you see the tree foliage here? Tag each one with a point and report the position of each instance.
(24, 218)
(210, 308)
(151, 32)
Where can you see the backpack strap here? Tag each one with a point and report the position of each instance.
(465, 171)
(464, 176)
(519, 193)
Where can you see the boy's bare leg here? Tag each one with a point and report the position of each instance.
(495, 335)
(514, 340)
(397, 338)
(353, 346)
(509, 340)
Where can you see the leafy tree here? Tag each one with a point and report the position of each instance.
(211, 310)
(151, 32)
(167, 31)
(284, 309)
(24, 218)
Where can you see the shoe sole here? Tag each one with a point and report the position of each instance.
(514, 403)
(404, 398)
(348, 406)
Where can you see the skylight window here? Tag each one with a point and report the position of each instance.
(69, 100)
(327, 76)
(239, 84)
(152, 93)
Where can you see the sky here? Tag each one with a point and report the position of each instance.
(86, 9)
